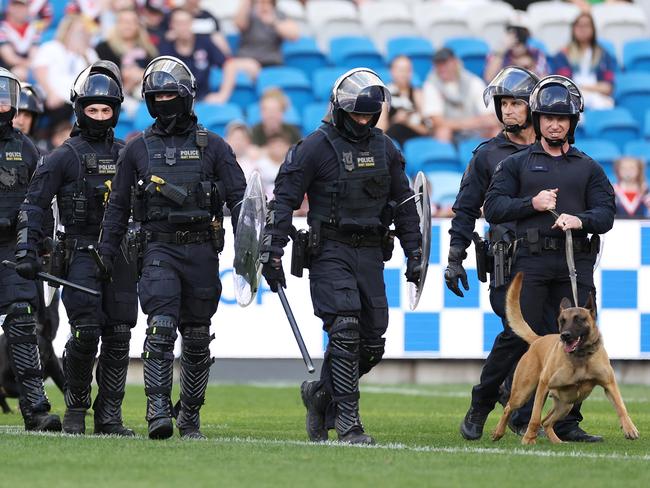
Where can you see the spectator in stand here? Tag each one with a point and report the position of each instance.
(588, 64)
(263, 28)
(19, 38)
(631, 189)
(453, 101)
(89, 9)
(404, 119)
(153, 16)
(58, 62)
(129, 47)
(207, 24)
(517, 52)
(273, 105)
(198, 52)
(239, 138)
(108, 15)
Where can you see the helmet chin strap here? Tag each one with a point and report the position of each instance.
(515, 128)
(556, 143)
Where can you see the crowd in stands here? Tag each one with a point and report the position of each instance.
(263, 84)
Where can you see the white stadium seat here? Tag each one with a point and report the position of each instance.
(551, 23)
(295, 11)
(332, 18)
(620, 22)
(438, 21)
(383, 20)
(490, 22)
(224, 11)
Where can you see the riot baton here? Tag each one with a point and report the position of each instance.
(55, 280)
(296, 331)
(98, 261)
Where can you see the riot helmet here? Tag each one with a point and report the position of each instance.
(359, 91)
(30, 106)
(100, 82)
(169, 75)
(9, 95)
(557, 95)
(513, 82)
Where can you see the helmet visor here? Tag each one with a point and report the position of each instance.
(510, 82)
(167, 75)
(362, 92)
(9, 92)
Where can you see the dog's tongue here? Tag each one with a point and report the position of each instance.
(571, 346)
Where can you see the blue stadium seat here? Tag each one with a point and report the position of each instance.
(58, 11)
(215, 117)
(312, 116)
(636, 55)
(303, 54)
(123, 128)
(465, 150)
(142, 119)
(602, 151)
(253, 115)
(418, 49)
(323, 80)
(639, 148)
(428, 154)
(354, 51)
(538, 44)
(632, 91)
(444, 186)
(244, 92)
(609, 46)
(233, 39)
(616, 125)
(292, 81)
(472, 50)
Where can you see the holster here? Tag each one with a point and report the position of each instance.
(300, 252)
(138, 202)
(217, 234)
(136, 244)
(500, 251)
(482, 257)
(388, 245)
(534, 244)
(60, 257)
(314, 238)
(594, 244)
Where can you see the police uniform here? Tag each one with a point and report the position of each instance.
(78, 173)
(18, 296)
(584, 192)
(349, 183)
(180, 176)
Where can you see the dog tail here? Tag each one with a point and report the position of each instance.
(513, 311)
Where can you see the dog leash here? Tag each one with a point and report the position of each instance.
(571, 264)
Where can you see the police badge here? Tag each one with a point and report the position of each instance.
(348, 161)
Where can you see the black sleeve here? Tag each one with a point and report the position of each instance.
(501, 203)
(116, 216)
(230, 173)
(470, 198)
(601, 203)
(407, 221)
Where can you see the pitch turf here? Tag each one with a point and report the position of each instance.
(256, 438)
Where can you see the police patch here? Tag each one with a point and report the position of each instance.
(365, 160)
(106, 167)
(13, 156)
(189, 154)
(348, 162)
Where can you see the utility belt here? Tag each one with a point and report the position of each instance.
(215, 234)
(536, 244)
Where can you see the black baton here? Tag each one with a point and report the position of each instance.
(55, 280)
(296, 330)
(98, 261)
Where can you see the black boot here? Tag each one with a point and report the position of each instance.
(112, 368)
(78, 361)
(158, 369)
(20, 330)
(344, 363)
(195, 371)
(315, 399)
(471, 428)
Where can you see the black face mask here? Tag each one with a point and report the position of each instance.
(355, 130)
(6, 117)
(172, 114)
(94, 129)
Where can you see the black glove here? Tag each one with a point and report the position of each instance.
(414, 267)
(109, 264)
(27, 267)
(455, 270)
(274, 274)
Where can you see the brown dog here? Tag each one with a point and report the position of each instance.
(567, 366)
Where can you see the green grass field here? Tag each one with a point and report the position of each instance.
(256, 438)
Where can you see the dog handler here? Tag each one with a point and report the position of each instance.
(553, 175)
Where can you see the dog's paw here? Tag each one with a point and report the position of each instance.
(631, 433)
(496, 435)
(528, 441)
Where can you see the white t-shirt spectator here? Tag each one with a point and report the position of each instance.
(457, 98)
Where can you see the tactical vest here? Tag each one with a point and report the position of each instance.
(82, 202)
(355, 201)
(177, 187)
(14, 179)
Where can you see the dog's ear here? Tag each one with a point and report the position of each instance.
(565, 303)
(591, 305)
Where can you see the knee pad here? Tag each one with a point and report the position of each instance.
(161, 336)
(20, 318)
(116, 334)
(344, 336)
(86, 333)
(196, 338)
(370, 353)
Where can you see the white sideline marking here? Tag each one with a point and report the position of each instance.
(16, 430)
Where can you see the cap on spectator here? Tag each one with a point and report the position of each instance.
(443, 54)
(156, 5)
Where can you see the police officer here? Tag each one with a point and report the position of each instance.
(552, 175)
(353, 175)
(30, 107)
(509, 91)
(180, 175)
(19, 297)
(79, 174)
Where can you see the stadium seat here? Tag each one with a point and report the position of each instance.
(491, 24)
(303, 54)
(353, 51)
(473, 51)
(292, 81)
(323, 80)
(639, 148)
(418, 49)
(253, 115)
(123, 128)
(616, 125)
(296, 12)
(444, 186)
(620, 22)
(466, 149)
(632, 91)
(333, 18)
(244, 92)
(636, 55)
(602, 151)
(611, 50)
(216, 117)
(233, 39)
(539, 44)
(225, 11)
(385, 19)
(142, 119)
(437, 23)
(551, 22)
(428, 154)
(312, 116)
